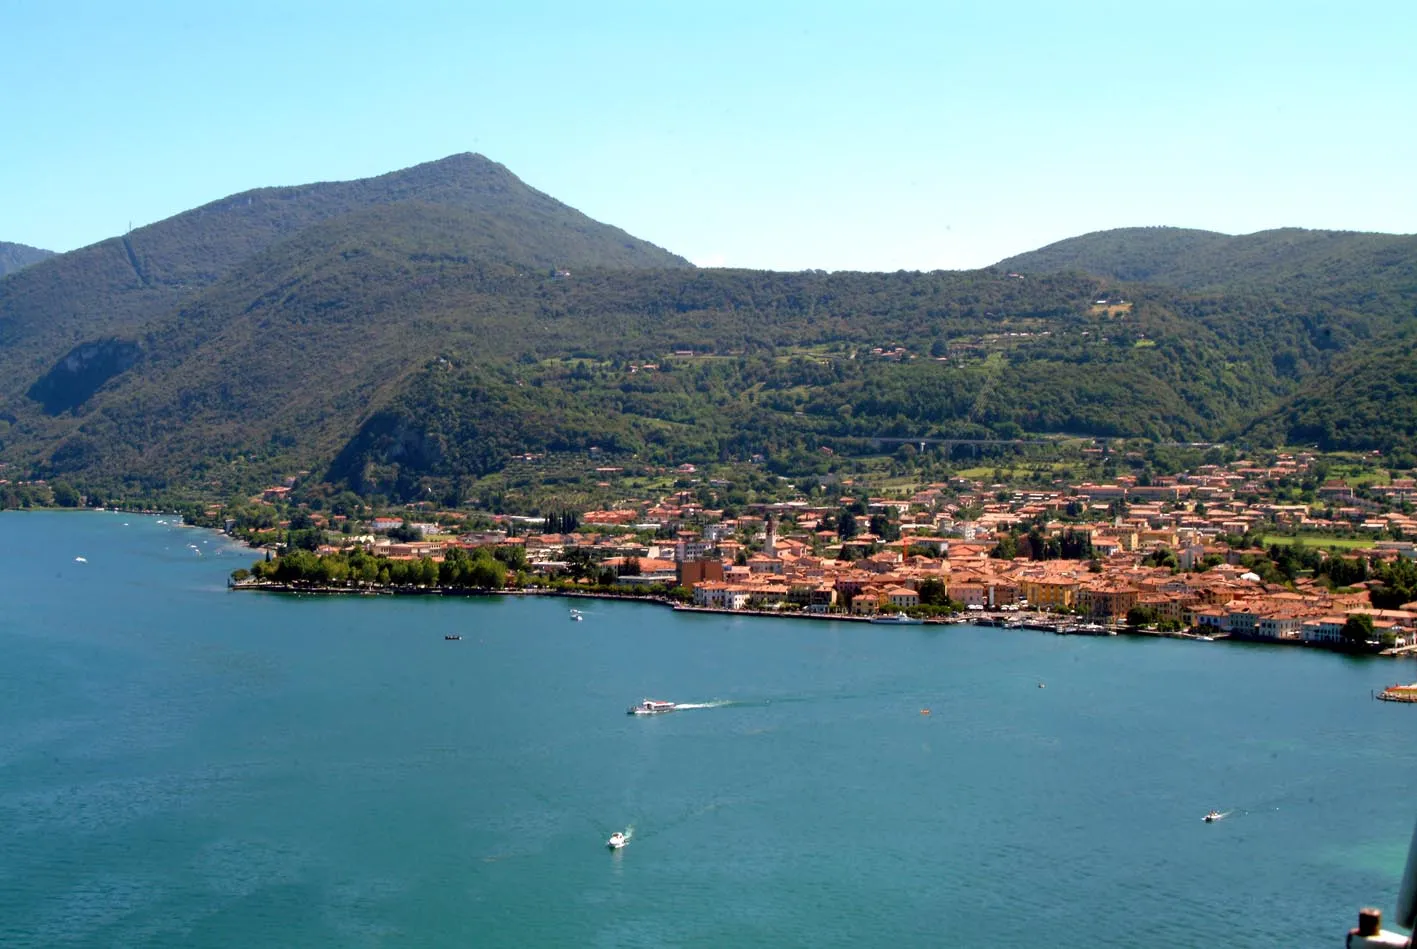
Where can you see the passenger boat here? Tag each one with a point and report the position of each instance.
(616, 841)
(899, 619)
(652, 707)
(1212, 817)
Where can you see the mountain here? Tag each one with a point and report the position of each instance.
(1368, 401)
(112, 288)
(1199, 260)
(1359, 291)
(16, 256)
(436, 330)
(401, 352)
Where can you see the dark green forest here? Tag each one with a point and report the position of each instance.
(437, 324)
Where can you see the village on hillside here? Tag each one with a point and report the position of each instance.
(1182, 554)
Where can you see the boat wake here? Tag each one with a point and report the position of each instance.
(724, 703)
(621, 838)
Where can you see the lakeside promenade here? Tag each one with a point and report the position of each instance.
(1030, 621)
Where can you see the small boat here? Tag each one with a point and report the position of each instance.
(899, 619)
(652, 707)
(576, 616)
(1212, 817)
(617, 840)
(452, 637)
(81, 560)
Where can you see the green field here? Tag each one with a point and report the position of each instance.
(1319, 540)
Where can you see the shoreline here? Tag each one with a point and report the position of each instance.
(981, 620)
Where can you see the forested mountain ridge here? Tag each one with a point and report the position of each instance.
(112, 288)
(419, 339)
(17, 256)
(1361, 286)
(1291, 258)
(1367, 401)
(403, 349)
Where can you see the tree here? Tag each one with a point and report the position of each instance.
(846, 525)
(1141, 616)
(933, 592)
(486, 572)
(1357, 631)
(65, 495)
(1006, 548)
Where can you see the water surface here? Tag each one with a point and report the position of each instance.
(185, 766)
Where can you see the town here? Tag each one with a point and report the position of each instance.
(1209, 552)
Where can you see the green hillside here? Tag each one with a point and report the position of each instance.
(405, 347)
(112, 288)
(1356, 292)
(16, 256)
(1289, 259)
(1368, 401)
(404, 337)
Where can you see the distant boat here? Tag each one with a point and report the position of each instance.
(617, 841)
(652, 707)
(81, 560)
(1212, 817)
(452, 637)
(576, 616)
(899, 619)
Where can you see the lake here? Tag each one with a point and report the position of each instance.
(181, 765)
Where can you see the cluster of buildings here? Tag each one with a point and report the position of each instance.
(943, 540)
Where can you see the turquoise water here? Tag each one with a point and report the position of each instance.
(185, 766)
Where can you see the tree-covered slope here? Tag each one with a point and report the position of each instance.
(1356, 293)
(409, 332)
(112, 288)
(1289, 257)
(409, 346)
(1366, 401)
(17, 256)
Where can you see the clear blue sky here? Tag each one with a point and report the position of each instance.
(759, 134)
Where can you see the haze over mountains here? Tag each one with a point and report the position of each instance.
(402, 333)
(15, 256)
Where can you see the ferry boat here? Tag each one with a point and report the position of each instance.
(652, 707)
(616, 841)
(899, 619)
(1212, 817)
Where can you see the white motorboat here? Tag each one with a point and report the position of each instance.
(898, 619)
(576, 616)
(652, 707)
(617, 840)
(1212, 817)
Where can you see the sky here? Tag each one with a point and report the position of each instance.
(786, 136)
